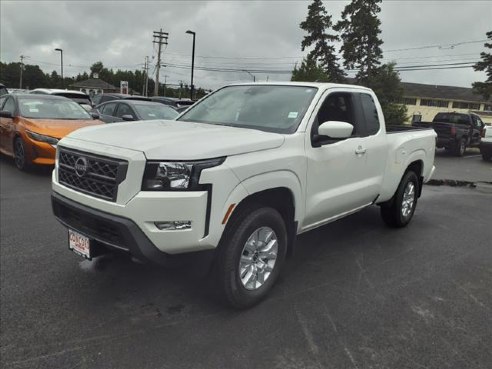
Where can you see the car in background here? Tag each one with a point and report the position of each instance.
(131, 110)
(486, 143)
(101, 98)
(32, 124)
(179, 104)
(78, 96)
(17, 91)
(3, 90)
(455, 131)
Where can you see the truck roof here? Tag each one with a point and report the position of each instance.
(322, 85)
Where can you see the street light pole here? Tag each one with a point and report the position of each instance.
(251, 74)
(61, 64)
(192, 87)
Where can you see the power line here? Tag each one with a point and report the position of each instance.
(443, 46)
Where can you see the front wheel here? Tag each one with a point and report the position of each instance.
(250, 255)
(399, 210)
(20, 157)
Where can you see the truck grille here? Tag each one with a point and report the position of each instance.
(94, 175)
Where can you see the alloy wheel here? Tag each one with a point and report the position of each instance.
(258, 258)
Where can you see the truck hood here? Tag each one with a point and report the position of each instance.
(176, 140)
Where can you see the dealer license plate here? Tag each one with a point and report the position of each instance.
(79, 244)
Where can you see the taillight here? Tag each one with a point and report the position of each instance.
(483, 132)
(453, 130)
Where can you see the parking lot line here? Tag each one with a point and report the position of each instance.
(471, 156)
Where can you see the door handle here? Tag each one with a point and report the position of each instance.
(360, 151)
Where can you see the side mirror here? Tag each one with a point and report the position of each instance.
(95, 115)
(127, 118)
(335, 129)
(5, 114)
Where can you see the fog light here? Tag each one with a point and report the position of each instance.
(176, 225)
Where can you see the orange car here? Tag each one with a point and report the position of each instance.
(32, 125)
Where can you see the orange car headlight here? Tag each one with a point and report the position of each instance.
(42, 138)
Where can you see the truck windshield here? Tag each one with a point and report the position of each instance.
(272, 108)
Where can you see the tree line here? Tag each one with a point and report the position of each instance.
(33, 77)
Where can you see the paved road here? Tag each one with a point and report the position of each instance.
(356, 295)
(470, 167)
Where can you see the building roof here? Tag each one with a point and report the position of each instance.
(441, 92)
(94, 83)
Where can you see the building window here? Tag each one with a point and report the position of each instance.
(487, 107)
(465, 105)
(409, 101)
(436, 103)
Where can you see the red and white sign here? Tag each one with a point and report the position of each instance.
(79, 244)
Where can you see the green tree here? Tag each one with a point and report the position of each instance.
(309, 71)
(317, 24)
(360, 29)
(485, 88)
(386, 84)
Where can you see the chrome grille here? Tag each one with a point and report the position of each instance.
(100, 176)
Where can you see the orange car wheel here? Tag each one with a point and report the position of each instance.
(20, 157)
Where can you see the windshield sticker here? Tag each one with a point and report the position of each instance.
(33, 110)
(293, 114)
(151, 115)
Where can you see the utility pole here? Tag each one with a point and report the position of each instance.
(180, 88)
(165, 82)
(160, 38)
(145, 88)
(22, 57)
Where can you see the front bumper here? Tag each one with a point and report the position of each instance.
(111, 231)
(40, 153)
(135, 220)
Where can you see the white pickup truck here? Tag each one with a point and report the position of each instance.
(242, 172)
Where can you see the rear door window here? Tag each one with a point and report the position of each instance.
(370, 114)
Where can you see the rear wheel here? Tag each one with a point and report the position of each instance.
(251, 255)
(460, 148)
(399, 210)
(20, 157)
(486, 156)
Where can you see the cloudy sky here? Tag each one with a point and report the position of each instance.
(239, 35)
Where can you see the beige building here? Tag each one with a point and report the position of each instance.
(425, 101)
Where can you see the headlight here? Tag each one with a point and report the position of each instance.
(42, 138)
(175, 176)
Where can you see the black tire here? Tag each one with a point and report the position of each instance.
(392, 212)
(487, 156)
(231, 248)
(460, 147)
(20, 158)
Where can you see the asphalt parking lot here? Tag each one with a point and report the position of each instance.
(355, 295)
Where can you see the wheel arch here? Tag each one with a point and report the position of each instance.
(280, 190)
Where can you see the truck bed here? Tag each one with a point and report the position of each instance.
(405, 128)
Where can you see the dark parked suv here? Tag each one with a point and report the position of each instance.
(456, 131)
